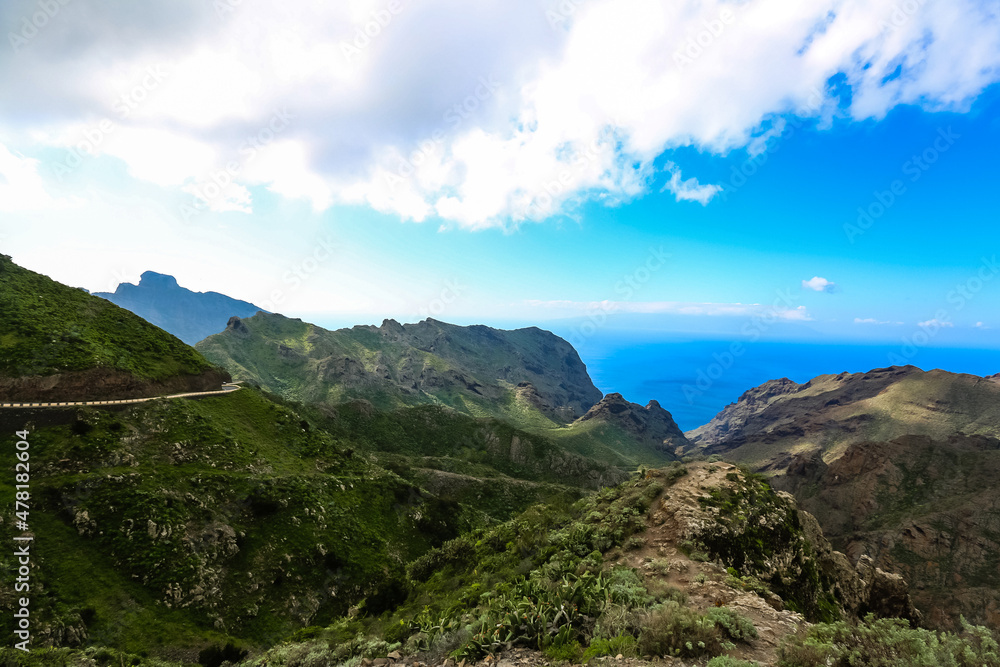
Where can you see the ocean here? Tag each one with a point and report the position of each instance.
(695, 379)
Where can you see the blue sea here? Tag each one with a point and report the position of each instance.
(695, 379)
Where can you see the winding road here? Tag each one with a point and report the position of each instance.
(226, 389)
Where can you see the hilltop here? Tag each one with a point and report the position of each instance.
(780, 418)
(528, 377)
(59, 343)
(526, 374)
(189, 315)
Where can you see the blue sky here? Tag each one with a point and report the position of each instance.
(572, 165)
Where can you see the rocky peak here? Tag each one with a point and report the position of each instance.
(236, 326)
(157, 280)
(651, 423)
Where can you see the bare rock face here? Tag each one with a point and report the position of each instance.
(102, 384)
(734, 417)
(651, 423)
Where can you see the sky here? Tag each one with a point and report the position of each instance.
(820, 171)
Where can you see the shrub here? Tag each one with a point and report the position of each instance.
(672, 630)
(568, 652)
(726, 661)
(661, 591)
(738, 627)
(635, 542)
(623, 644)
(889, 642)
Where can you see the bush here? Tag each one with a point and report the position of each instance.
(634, 542)
(726, 661)
(672, 630)
(624, 644)
(889, 642)
(568, 652)
(738, 627)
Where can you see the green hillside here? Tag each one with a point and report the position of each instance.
(528, 376)
(168, 525)
(48, 328)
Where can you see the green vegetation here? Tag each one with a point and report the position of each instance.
(890, 643)
(50, 328)
(473, 370)
(754, 527)
(184, 523)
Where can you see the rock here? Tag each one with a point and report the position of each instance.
(619, 657)
(380, 662)
(395, 655)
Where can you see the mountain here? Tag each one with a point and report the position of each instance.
(527, 375)
(649, 424)
(925, 508)
(779, 418)
(682, 563)
(173, 526)
(58, 343)
(189, 315)
(897, 464)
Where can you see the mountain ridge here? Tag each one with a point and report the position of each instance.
(189, 315)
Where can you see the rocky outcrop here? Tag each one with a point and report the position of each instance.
(650, 424)
(766, 538)
(734, 417)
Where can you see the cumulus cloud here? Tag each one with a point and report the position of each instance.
(935, 323)
(690, 189)
(22, 189)
(481, 114)
(818, 284)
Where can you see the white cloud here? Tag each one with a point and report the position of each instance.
(21, 187)
(818, 284)
(572, 112)
(980, 325)
(690, 189)
(676, 308)
(935, 324)
(872, 320)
